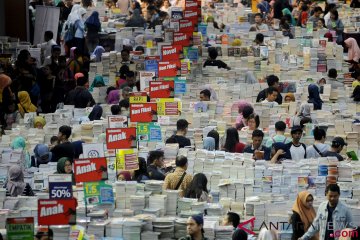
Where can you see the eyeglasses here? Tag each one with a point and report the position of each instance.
(68, 165)
(311, 200)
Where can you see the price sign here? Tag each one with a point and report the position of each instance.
(98, 193)
(20, 228)
(60, 186)
(57, 211)
(138, 97)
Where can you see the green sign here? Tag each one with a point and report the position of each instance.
(20, 228)
(97, 193)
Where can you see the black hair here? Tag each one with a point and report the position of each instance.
(125, 50)
(123, 70)
(304, 121)
(81, 81)
(214, 134)
(65, 130)
(335, 13)
(258, 133)
(259, 37)
(304, 7)
(130, 74)
(115, 109)
(62, 59)
(332, 73)
(280, 126)
(234, 218)
(109, 89)
(355, 74)
(318, 9)
(181, 124)
(323, 21)
(255, 117)
(319, 133)
(124, 103)
(181, 161)
(142, 171)
(271, 90)
(197, 186)
(154, 155)
(271, 80)
(55, 48)
(329, 7)
(54, 139)
(162, 14)
(258, 15)
(247, 111)
(140, 48)
(49, 34)
(232, 138)
(206, 93)
(239, 234)
(212, 52)
(332, 188)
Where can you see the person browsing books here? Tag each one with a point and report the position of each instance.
(181, 131)
(272, 81)
(337, 146)
(155, 164)
(211, 61)
(317, 149)
(271, 95)
(280, 128)
(258, 150)
(297, 149)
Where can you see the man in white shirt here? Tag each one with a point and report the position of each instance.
(47, 45)
(271, 95)
(297, 149)
(259, 25)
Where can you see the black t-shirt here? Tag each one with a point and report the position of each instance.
(65, 149)
(262, 96)
(181, 140)
(217, 63)
(154, 173)
(329, 234)
(333, 154)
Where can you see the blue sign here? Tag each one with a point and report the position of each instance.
(60, 186)
(151, 66)
(180, 85)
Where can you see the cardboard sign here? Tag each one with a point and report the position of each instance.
(120, 138)
(162, 89)
(168, 107)
(186, 26)
(116, 121)
(138, 97)
(20, 228)
(127, 160)
(191, 5)
(169, 53)
(169, 69)
(57, 211)
(182, 39)
(97, 193)
(148, 132)
(145, 112)
(145, 79)
(60, 186)
(90, 169)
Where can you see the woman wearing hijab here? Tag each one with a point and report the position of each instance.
(79, 26)
(5, 82)
(69, 24)
(353, 49)
(303, 215)
(136, 20)
(215, 135)
(124, 176)
(314, 96)
(304, 112)
(98, 82)
(93, 27)
(96, 113)
(39, 122)
(42, 155)
(250, 78)
(64, 166)
(286, 11)
(96, 55)
(279, 152)
(15, 185)
(25, 105)
(289, 97)
(19, 143)
(209, 143)
(245, 110)
(113, 97)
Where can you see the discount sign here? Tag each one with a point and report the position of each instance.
(60, 186)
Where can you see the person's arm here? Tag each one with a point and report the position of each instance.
(274, 159)
(297, 226)
(349, 219)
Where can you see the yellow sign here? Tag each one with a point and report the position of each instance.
(138, 99)
(126, 159)
(168, 107)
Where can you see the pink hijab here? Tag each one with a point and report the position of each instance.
(114, 97)
(241, 105)
(354, 50)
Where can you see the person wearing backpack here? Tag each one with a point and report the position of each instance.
(280, 128)
(296, 148)
(319, 147)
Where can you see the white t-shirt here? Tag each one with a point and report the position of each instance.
(270, 104)
(297, 152)
(46, 47)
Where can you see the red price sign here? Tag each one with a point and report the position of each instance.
(90, 170)
(146, 112)
(121, 138)
(162, 89)
(57, 211)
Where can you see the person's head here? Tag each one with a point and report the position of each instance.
(318, 11)
(44, 234)
(151, 10)
(338, 144)
(82, 82)
(332, 73)
(48, 35)
(239, 234)
(64, 166)
(212, 53)
(304, 121)
(47, 70)
(305, 199)
(231, 219)
(205, 95)
(166, 4)
(140, 49)
(214, 134)
(209, 143)
(247, 111)
(199, 182)
(272, 81)
(124, 105)
(332, 192)
(156, 158)
(39, 122)
(296, 133)
(253, 121)
(181, 161)
(182, 126)
(258, 18)
(329, 7)
(304, 8)
(115, 109)
(64, 133)
(54, 140)
(125, 55)
(289, 97)
(15, 174)
(18, 143)
(334, 15)
(125, 93)
(356, 75)
(313, 91)
(62, 62)
(123, 70)
(271, 94)
(232, 138)
(320, 23)
(257, 138)
(259, 39)
(124, 176)
(56, 51)
(322, 82)
(130, 79)
(194, 225)
(280, 126)
(68, 3)
(319, 134)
